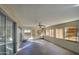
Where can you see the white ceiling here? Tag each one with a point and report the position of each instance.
(48, 14)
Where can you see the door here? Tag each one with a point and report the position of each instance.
(9, 37)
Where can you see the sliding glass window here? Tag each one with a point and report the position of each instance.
(7, 35)
(2, 35)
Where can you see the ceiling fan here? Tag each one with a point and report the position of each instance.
(41, 26)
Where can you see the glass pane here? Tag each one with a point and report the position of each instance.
(9, 36)
(71, 33)
(52, 32)
(59, 33)
(2, 35)
(47, 32)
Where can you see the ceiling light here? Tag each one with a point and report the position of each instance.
(27, 31)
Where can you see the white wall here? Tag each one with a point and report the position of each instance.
(64, 43)
(18, 37)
